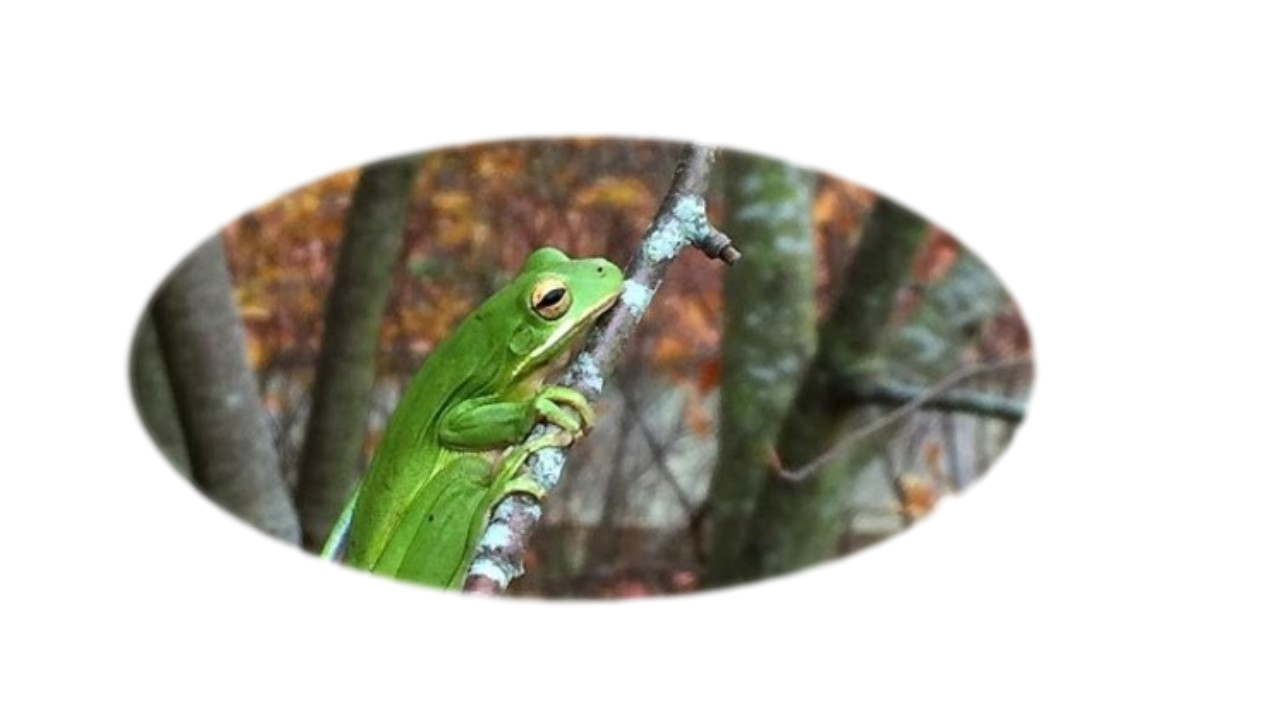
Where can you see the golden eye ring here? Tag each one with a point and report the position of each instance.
(550, 299)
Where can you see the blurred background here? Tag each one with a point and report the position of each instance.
(857, 366)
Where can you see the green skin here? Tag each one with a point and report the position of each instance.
(454, 447)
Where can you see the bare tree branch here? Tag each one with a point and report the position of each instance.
(890, 392)
(681, 222)
(657, 450)
(808, 469)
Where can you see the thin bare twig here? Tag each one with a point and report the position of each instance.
(888, 392)
(658, 451)
(807, 470)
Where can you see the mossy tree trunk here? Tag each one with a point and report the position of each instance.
(331, 452)
(769, 331)
(950, 314)
(228, 438)
(798, 522)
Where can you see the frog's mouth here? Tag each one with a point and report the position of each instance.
(593, 314)
(571, 343)
(602, 306)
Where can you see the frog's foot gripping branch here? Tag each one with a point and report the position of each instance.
(548, 404)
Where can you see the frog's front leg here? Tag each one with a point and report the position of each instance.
(492, 422)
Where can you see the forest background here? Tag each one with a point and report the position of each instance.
(680, 487)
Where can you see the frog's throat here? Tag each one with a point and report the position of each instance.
(558, 342)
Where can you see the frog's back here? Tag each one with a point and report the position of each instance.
(409, 451)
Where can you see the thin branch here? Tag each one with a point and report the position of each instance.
(681, 222)
(959, 376)
(664, 447)
(889, 392)
(657, 450)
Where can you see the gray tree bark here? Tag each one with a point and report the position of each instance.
(329, 463)
(153, 394)
(228, 438)
(769, 331)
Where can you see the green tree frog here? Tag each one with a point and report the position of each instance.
(454, 446)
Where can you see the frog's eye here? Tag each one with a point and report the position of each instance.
(550, 299)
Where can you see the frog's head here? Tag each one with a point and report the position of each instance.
(558, 298)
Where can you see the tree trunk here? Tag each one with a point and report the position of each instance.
(331, 453)
(228, 438)
(768, 336)
(153, 393)
(949, 316)
(798, 521)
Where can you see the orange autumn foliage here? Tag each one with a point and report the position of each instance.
(475, 213)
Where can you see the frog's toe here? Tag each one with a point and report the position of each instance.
(588, 416)
(551, 411)
(552, 402)
(526, 484)
(564, 438)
